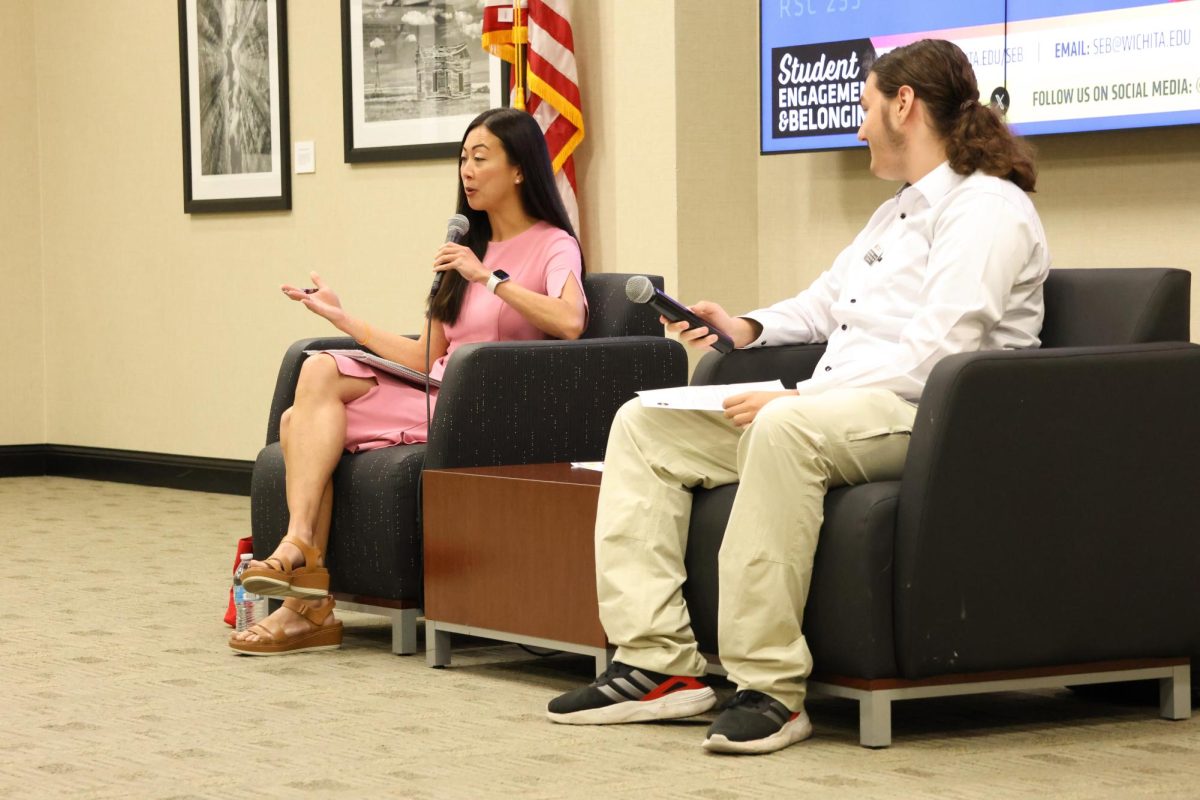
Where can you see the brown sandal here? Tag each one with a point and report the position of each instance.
(273, 642)
(281, 578)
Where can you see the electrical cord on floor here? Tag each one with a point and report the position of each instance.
(540, 653)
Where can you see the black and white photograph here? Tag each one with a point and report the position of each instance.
(414, 73)
(233, 68)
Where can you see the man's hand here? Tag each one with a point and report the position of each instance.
(741, 409)
(742, 331)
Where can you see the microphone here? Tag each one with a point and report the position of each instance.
(456, 228)
(639, 289)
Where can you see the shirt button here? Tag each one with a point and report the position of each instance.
(828, 368)
(843, 327)
(852, 300)
(904, 216)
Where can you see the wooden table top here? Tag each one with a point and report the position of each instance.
(544, 473)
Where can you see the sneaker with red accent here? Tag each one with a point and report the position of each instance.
(753, 722)
(630, 694)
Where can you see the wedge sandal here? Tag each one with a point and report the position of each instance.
(273, 642)
(279, 577)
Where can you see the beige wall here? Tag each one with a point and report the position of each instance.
(626, 164)
(164, 330)
(716, 139)
(22, 359)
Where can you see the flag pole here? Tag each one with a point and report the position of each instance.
(518, 95)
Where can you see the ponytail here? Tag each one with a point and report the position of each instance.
(980, 140)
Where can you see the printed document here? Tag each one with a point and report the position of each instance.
(704, 398)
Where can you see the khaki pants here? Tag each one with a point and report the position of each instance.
(796, 449)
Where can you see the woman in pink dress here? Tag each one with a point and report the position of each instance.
(517, 275)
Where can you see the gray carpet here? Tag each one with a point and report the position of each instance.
(118, 684)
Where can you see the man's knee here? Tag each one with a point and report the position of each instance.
(791, 417)
(629, 417)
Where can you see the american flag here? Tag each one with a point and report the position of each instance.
(551, 77)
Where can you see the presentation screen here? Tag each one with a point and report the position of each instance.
(1058, 65)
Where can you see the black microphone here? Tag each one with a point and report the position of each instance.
(456, 228)
(639, 289)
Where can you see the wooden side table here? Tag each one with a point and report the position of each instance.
(510, 555)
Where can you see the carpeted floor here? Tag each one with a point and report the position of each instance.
(117, 684)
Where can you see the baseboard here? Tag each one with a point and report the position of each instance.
(17, 460)
(220, 475)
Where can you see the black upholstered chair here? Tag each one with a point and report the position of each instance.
(1045, 531)
(501, 403)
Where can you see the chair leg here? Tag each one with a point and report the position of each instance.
(1175, 694)
(404, 631)
(437, 645)
(875, 720)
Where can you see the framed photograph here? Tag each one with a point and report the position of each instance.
(234, 87)
(413, 76)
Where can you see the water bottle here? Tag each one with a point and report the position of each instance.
(251, 608)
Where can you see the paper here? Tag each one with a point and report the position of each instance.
(597, 466)
(704, 398)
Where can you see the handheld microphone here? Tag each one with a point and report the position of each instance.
(456, 228)
(639, 289)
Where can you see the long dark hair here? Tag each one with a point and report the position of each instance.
(976, 136)
(525, 147)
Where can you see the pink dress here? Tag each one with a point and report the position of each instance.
(392, 412)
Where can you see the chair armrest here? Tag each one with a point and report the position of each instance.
(289, 373)
(543, 401)
(790, 363)
(1048, 510)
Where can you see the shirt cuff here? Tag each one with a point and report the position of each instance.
(765, 336)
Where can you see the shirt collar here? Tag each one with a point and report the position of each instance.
(937, 183)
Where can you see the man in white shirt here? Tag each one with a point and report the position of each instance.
(953, 263)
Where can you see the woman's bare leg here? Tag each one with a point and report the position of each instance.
(312, 435)
(316, 438)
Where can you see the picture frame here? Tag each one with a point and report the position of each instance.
(234, 98)
(425, 78)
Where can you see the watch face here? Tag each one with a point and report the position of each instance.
(500, 275)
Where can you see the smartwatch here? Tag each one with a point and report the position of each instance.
(498, 277)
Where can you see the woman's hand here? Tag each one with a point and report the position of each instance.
(736, 327)
(741, 409)
(320, 300)
(461, 258)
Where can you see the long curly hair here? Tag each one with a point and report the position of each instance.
(976, 135)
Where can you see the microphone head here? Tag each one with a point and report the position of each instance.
(639, 289)
(457, 227)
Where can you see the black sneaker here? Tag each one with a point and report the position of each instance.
(628, 694)
(753, 722)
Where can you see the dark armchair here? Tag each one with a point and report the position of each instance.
(501, 403)
(1045, 531)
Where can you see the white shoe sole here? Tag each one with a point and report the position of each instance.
(796, 730)
(676, 705)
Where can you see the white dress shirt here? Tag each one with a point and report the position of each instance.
(951, 264)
